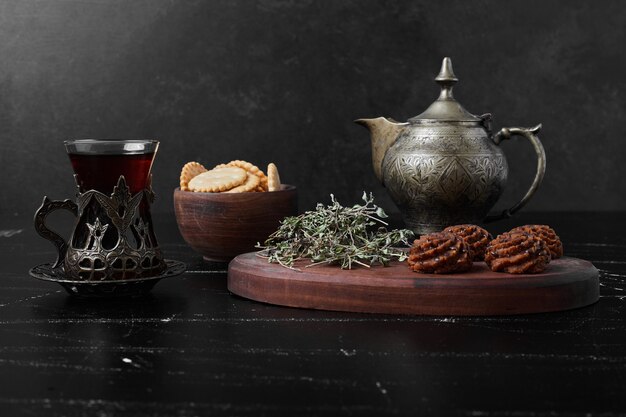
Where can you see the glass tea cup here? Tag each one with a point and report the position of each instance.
(113, 236)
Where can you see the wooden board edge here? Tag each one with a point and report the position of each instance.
(456, 301)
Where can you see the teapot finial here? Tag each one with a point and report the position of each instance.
(446, 108)
(446, 79)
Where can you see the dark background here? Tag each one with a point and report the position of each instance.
(281, 81)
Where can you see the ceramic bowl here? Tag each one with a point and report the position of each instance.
(221, 226)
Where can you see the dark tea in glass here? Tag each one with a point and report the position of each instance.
(101, 172)
(98, 164)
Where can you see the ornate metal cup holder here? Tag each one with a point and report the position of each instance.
(108, 288)
(112, 251)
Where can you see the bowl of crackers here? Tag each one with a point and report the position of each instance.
(225, 211)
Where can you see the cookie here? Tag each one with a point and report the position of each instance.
(251, 168)
(517, 253)
(475, 236)
(218, 180)
(273, 179)
(251, 184)
(440, 253)
(545, 233)
(189, 171)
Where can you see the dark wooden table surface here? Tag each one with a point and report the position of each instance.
(191, 348)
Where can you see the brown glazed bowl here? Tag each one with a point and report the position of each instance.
(221, 226)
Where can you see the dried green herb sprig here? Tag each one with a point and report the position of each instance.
(335, 234)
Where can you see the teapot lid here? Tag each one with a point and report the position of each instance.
(446, 108)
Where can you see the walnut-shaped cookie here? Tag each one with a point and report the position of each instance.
(545, 233)
(517, 253)
(440, 253)
(475, 236)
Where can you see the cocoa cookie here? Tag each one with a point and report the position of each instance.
(440, 253)
(517, 253)
(545, 233)
(475, 236)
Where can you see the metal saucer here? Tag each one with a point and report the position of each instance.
(117, 288)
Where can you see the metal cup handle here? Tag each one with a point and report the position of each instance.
(531, 135)
(47, 207)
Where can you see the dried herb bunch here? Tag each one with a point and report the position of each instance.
(336, 235)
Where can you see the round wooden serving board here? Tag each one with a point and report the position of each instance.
(567, 283)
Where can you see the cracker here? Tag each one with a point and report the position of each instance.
(273, 179)
(252, 169)
(263, 186)
(190, 170)
(218, 180)
(251, 184)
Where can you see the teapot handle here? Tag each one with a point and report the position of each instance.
(531, 135)
(47, 207)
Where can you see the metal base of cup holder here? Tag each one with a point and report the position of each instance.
(112, 240)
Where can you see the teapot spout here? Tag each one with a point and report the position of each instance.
(384, 133)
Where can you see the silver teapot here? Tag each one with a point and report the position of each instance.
(445, 166)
